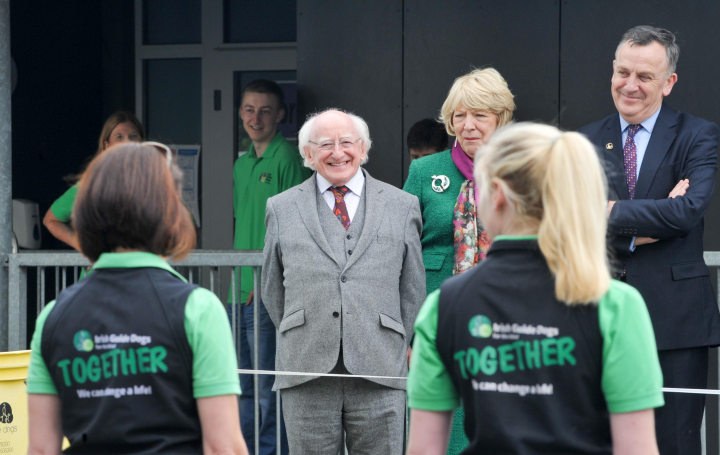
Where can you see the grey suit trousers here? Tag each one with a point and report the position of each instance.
(317, 411)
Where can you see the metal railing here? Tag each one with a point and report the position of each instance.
(202, 267)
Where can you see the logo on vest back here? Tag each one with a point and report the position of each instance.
(83, 341)
(6, 415)
(480, 326)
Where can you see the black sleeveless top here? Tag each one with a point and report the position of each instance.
(124, 372)
(527, 366)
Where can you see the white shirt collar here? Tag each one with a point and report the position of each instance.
(355, 184)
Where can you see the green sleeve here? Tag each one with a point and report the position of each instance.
(39, 380)
(214, 360)
(429, 385)
(62, 207)
(412, 184)
(292, 173)
(631, 378)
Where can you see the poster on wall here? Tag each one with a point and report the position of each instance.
(187, 158)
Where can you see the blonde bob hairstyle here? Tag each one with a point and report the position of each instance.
(481, 90)
(553, 182)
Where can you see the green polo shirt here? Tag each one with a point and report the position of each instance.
(256, 180)
(206, 326)
(631, 376)
(62, 207)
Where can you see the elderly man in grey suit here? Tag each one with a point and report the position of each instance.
(343, 281)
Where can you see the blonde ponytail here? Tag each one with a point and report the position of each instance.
(554, 181)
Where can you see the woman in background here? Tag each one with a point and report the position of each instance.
(452, 239)
(133, 359)
(547, 354)
(120, 127)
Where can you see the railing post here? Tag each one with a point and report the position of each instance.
(17, 305)
(5, 165)
(256, 354)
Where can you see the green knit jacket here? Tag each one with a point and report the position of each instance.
(437, 213)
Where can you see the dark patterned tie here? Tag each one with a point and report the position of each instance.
(340, 209)
(630, 159)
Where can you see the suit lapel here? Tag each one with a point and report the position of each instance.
(374, 209)
(615, 167)
(661, 139)
(307, 204)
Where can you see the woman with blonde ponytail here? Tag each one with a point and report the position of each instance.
(547, 354)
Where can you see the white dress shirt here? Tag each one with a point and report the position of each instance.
(352, 198)
(641, 138)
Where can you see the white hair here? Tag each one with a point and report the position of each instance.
(304, 133)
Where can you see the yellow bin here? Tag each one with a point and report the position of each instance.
(13, 402)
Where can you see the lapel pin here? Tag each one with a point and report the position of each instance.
(444, 183)
(609, 146)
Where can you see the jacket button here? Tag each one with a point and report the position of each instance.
(349, 251)
(343, 278)
(348, 236)
(336, 314)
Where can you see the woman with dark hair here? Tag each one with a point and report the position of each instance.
(133, 359)
(120, 127)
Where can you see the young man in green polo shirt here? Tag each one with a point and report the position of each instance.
(271, 166)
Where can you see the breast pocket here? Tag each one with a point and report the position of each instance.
(390, 241)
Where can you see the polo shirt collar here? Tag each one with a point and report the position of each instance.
(514, 242)
(355, 184)
(271, 148)
(131, 260)
(648, 124)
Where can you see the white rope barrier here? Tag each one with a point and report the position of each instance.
(317, 375)
(359, 376)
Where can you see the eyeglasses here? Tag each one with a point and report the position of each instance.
(163, 149)
(326, 146)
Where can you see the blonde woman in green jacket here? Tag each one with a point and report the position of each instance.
(453, 241)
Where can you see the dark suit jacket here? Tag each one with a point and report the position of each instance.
(670, 274)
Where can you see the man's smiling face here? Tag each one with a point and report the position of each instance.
(261, 114)
(640, 80)
(340, 162)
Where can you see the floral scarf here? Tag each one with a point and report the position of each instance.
(469, 237)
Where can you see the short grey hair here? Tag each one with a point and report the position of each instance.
(360, 126)
(643, 35)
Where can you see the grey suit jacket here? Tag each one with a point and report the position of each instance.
(378, 293)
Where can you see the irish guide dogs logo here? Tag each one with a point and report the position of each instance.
(6, 415)
(83, 341)
(480, 326)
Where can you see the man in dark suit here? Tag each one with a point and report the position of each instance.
(661, 167)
